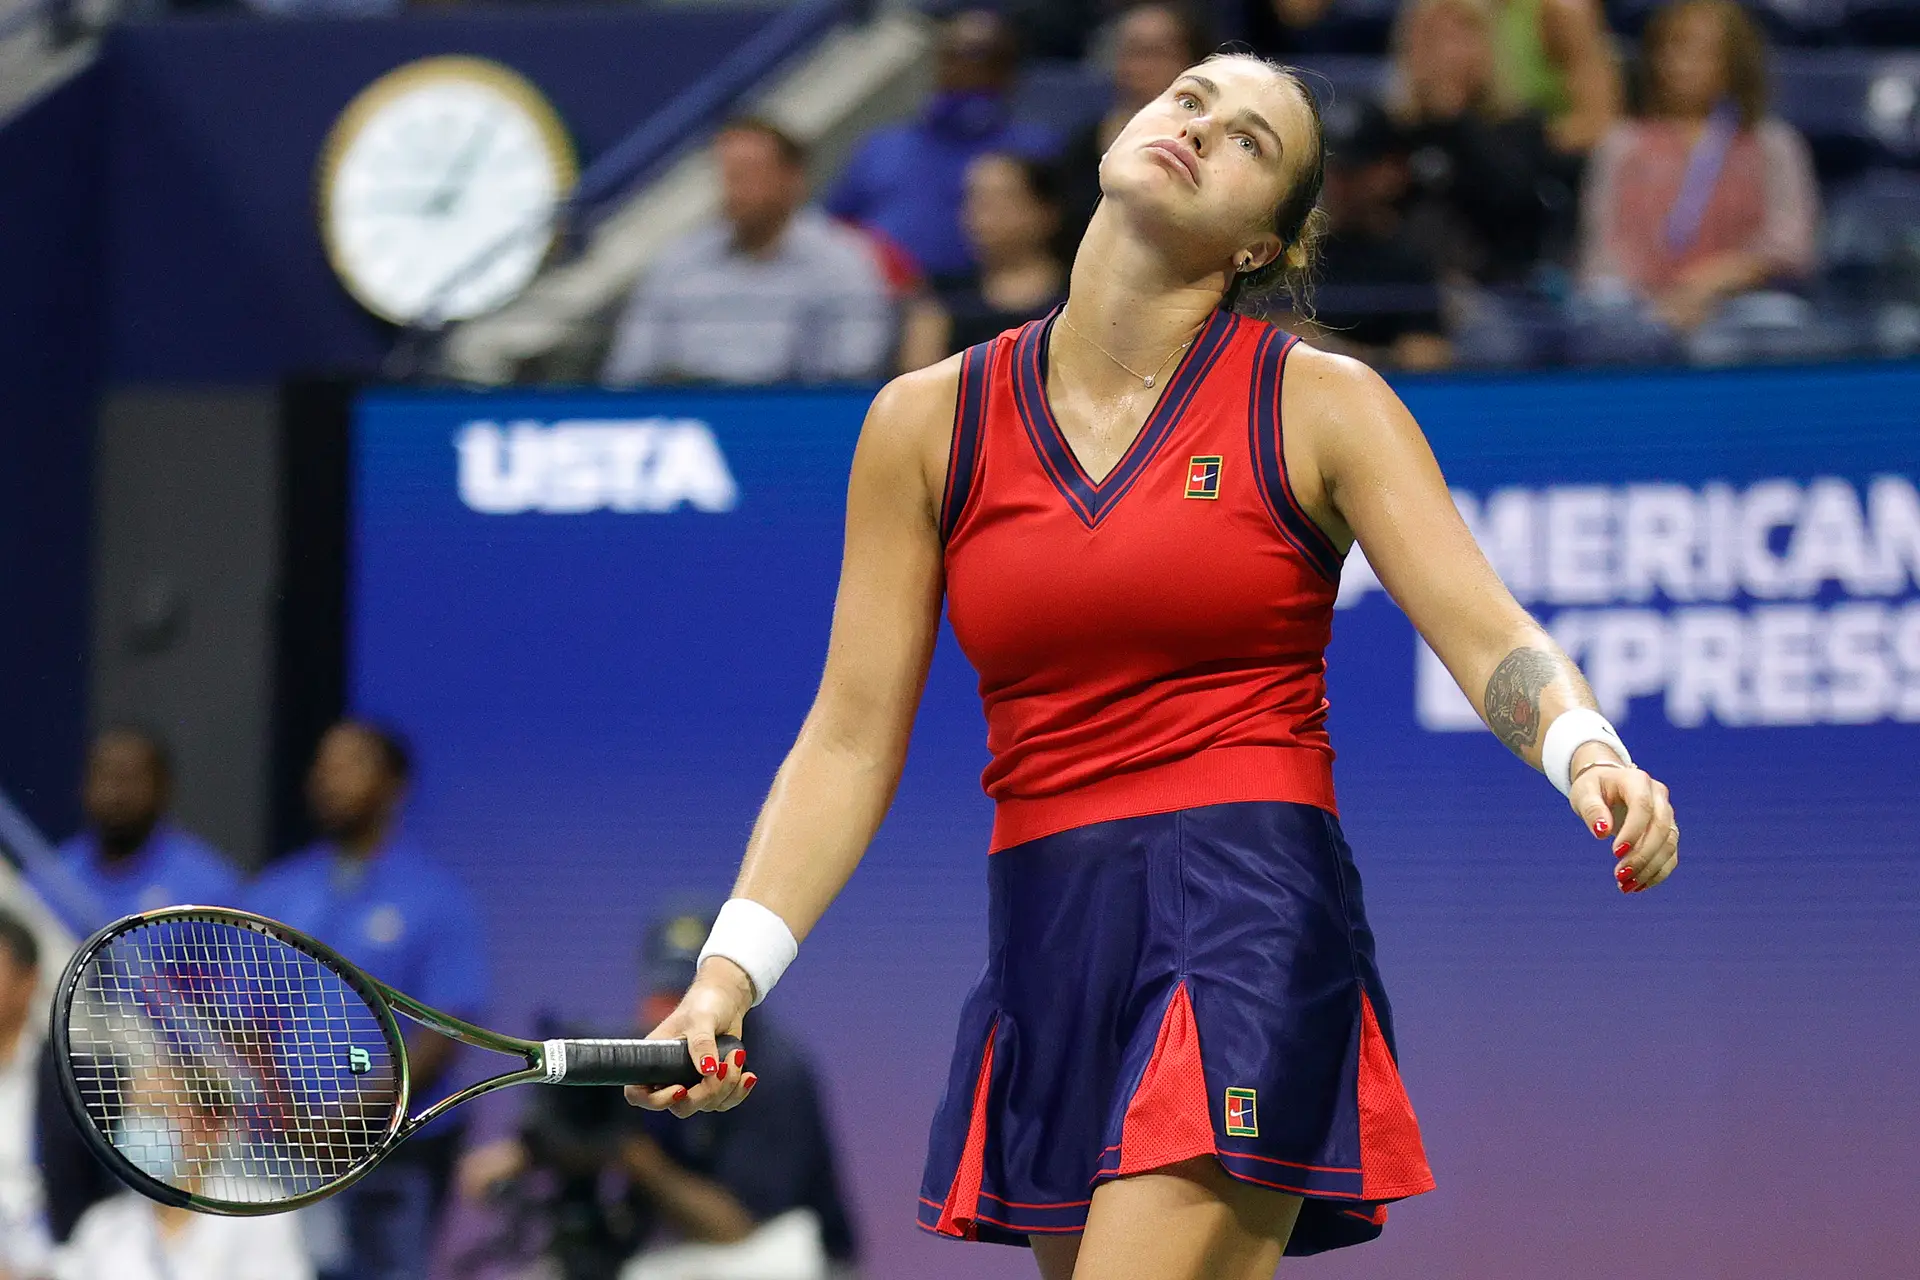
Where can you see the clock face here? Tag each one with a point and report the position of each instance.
(438, 188)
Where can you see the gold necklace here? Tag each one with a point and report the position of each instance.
(1146, 379)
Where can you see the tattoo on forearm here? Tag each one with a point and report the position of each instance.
(1513, 696)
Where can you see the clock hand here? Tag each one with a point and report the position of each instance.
(442, 201)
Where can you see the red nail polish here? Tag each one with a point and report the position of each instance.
(680, 1094)
(707, 1064)
(721, 1072)
(1623, 872)
(750, 1082)
(1623, 851)
(740, 1059)
(1601, 827)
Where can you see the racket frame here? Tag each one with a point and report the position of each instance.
(380, 998)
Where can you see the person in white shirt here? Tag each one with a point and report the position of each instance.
(24, 1242)
(131, 1238)
(772, 291)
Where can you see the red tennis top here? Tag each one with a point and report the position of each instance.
(1155, 641)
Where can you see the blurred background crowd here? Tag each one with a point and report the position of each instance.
(1510, 182)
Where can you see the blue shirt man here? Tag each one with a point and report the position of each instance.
(130, 858)
(905, 181)
(396, 914)
(368, 892)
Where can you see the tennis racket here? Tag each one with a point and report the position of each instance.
(221, 1061)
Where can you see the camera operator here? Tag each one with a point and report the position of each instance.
(747, 1194)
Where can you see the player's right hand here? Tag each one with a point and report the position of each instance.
(715, 1005)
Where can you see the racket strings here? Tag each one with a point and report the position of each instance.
(227, 1063)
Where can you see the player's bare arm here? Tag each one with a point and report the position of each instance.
(832, 792)
(1365, 472)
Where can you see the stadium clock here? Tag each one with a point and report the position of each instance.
(437, 189)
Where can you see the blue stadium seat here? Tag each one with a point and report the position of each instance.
(1884, 22)
(1857, 107)
(1870, 288)
(1348, 26)
(1872, 233)
(1788, 22)
(1356, 26)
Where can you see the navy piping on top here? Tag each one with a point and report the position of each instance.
(963, 456)
(1266, 441)
(1091, 501)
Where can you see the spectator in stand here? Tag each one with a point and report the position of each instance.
(1153, 42)
(25, 1243)
(1555, 58)
(368, 891)
(772, 291)
(129, 1237)
(1695, 209)
(129, 857)
(1379, 297)
(1011, 214)
(905, 181)
(747, 1193)
(49, 1177)
(1478, 168)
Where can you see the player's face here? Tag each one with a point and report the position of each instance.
(1211, 158)
(124, 792)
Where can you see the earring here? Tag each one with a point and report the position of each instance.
(1245, 262)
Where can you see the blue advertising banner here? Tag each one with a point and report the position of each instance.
(601, 616)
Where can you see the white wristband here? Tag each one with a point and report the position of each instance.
(1570, 731)
(754, 938)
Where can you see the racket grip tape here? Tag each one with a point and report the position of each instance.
(653, 1063)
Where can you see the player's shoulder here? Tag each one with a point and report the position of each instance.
(910, 425)
(1343, 417)
(1323, 389)
(919, 399)
(925, 399)
(1329, 373)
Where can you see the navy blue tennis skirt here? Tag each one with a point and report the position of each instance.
(1166, 987)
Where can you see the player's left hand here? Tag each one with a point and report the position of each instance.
(1633, 808)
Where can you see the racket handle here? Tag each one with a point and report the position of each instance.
(655, 1063)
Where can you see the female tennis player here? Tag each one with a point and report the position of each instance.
(1178, 1063)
